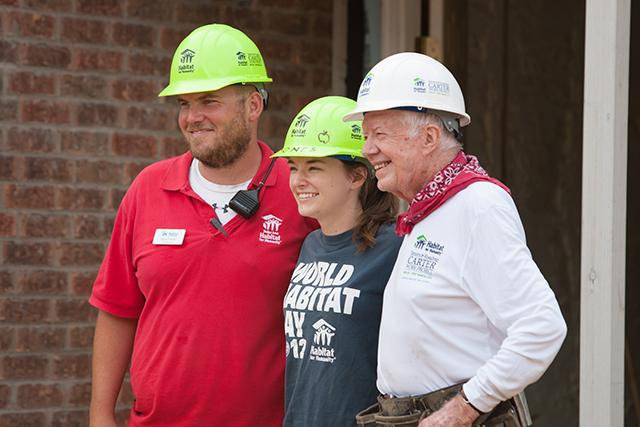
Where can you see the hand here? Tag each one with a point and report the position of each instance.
(455, 413)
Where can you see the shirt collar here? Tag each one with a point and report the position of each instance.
(177, 175)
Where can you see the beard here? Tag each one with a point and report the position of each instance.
(225, 146)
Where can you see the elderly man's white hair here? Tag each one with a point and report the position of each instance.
(415, 121)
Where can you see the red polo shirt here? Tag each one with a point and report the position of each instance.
(209, 348)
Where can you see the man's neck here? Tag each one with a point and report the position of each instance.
(240, 171)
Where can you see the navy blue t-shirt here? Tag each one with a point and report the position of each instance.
(332, 315)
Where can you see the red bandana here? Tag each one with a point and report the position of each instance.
(463, 170)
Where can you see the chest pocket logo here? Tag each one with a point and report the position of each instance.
(423, 259)
(270, 232)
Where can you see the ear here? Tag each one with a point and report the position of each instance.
(358, 177)
(430, 138)
(255, 105)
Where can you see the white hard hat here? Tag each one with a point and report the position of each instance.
(406, 80)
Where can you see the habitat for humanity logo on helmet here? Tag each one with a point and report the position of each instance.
(365, 87)
(242, 58)
(186, 59)
(419, 85)
(299, 125)
(356, 132)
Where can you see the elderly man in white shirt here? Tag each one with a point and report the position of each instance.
(466, 304)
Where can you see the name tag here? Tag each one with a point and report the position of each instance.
(168, 236)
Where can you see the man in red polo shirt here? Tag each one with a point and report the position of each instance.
(190, 290)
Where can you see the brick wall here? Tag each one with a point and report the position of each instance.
(79, 118)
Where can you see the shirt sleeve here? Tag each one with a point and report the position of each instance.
(502, 278)
(116, 288)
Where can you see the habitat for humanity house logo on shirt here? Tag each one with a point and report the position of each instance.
(423, 259)
(270, 232)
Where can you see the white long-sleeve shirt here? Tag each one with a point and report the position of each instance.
(466, 302)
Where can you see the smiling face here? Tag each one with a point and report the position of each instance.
(325, 191)
(397, 156)
(216, 125)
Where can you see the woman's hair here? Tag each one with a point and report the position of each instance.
(378, 207)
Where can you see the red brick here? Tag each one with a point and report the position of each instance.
(99, 172)
(6, 339)
(39, 168)
(141, 64)
(89, 227)
(116, 198)
(8, 51)
(39, 395)
(289, 23)
(108, 224)
(5, 394)
(96, 115)
(31, 140)
(26, 82)
(39, 225)
(80, 199)
(122, 415)
(134, 145)
(100, 7)
(152, 119)
(81, 337)
(319, 6)
(72, 366)
(173, 147)
(293, 76)
(322, 26)
(248, 21)
(133, 169)
(81, 253)
(83, 143)
(193, 13)
(83, 86)
(40, 339)
(9, 2)
(135, 90)
(32, 197)
(82, 283)
(20, 253)
(32, 24)
(52, 5)
(98, 60)
(316, 53)
(321, 79)
(7, 224)
(131, 35)
(44, 55)
(8, 168)
(8, 110)
(161, 10)
(71, 419)
(6, 282)
(80, 394)
(126, 395)
(30, 419)
(46, 112)
(44, 282)
(171, 37)
(280, 101)
(279, 49)
(23, 367)
(74, 310)
(81, 30)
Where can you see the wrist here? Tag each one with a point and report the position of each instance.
(468, 403)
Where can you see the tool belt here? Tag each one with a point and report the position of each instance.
(409, 411)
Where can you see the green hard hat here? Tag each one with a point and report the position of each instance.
(318, 131)
(214, 56)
